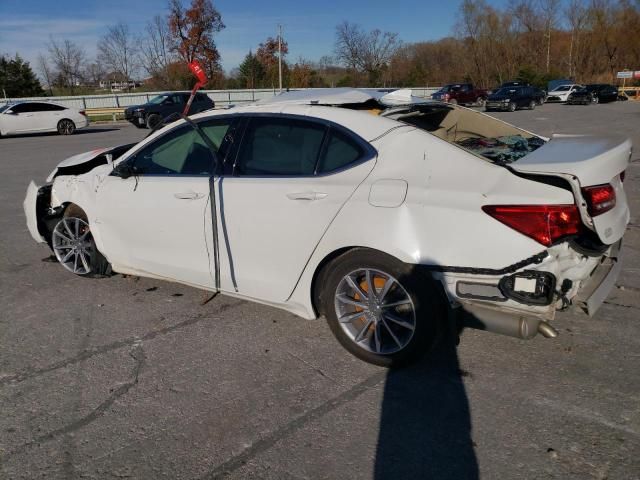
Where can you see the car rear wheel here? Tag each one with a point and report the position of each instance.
(595, 100)
(66, 127)
(532, 105)
(380, 309)
(453, 101)
(512, 107)
(74, 246)
(153, 120)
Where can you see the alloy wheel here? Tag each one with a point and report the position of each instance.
(66, 127)
(71, 242)
(375, 311)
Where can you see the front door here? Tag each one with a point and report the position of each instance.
(158, 220)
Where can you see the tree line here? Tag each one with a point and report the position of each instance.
(530, 40)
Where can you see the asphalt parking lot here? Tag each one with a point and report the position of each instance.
(135, 378)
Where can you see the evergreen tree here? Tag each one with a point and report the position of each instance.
(251, 71)
(17, 79)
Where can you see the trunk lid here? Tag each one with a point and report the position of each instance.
(586, 160)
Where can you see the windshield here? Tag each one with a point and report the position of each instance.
(562, 88)
(158, 100)
(505, 91)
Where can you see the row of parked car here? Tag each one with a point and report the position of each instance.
(25, 117)
(511, 96)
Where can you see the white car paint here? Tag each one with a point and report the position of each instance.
(418, 199)
(563, 91)
(13, 121)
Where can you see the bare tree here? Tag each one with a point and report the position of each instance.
(67, 58)
(576, 14)
(367, 52)
(155, 49)
(43, 67)
(117, 50)
(95, 72)
(550, 10)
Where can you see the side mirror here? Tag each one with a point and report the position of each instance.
(124, 170)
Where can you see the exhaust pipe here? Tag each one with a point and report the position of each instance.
(547, 331)
(505, 323)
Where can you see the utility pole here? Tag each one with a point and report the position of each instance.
(280, 56)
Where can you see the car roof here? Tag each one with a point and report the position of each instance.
(363, 123)
(345, 96)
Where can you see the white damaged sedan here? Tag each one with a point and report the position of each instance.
(372, 210)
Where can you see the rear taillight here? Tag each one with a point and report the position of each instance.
(83, 113)
(544, 223)
(600, 198)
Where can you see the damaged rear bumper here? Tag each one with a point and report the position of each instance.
(522, 304)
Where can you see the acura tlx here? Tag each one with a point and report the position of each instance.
(374, 209)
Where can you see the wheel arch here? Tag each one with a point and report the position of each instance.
(320, 271)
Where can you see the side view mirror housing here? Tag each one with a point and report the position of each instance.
(124, 170)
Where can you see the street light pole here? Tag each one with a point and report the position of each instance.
(280, 56)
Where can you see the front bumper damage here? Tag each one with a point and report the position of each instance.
(522, 303)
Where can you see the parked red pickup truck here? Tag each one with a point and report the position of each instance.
(462, 93)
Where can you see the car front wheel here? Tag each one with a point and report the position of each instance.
(512, 107)
(381, 310)
(74, 246)
(66, 127)
(153, 120)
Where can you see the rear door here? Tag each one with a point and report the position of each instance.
(287, 182)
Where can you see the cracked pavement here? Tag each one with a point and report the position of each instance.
(135, 378)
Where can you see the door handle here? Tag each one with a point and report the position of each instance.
(306, 195)
(188, 195)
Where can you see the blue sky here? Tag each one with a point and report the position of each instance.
(309, 27)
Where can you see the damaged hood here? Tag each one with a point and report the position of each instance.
(87, 161)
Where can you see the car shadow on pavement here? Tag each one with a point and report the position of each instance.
(83, 131)
(425, 422)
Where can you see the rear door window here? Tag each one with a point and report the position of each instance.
(280, 147)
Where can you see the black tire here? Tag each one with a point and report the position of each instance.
(152, 120)
(453, 101)
(429, 308)
(532, 105)
(66, 127)
(512, 107)
(98, 264)
(540, 101)
(481, 101)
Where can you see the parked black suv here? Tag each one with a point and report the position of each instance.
(155, 110)
(512, 98)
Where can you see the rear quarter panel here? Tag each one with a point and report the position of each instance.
(441, 221)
